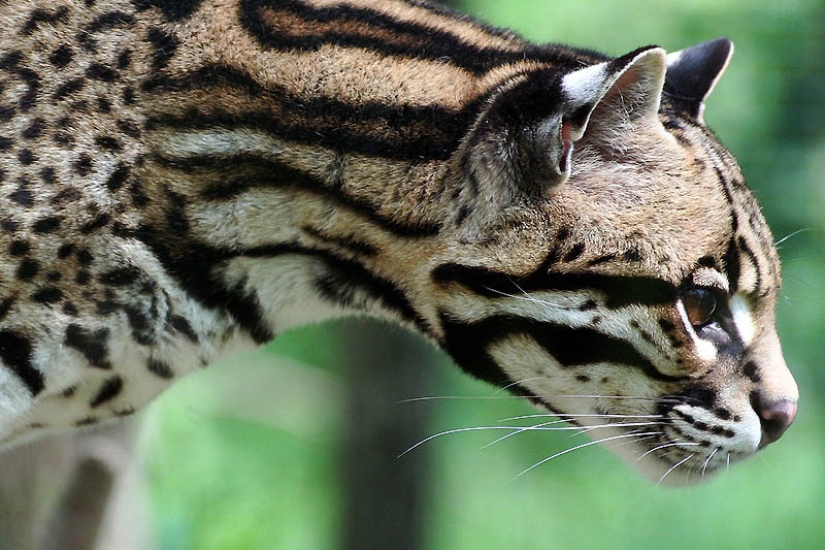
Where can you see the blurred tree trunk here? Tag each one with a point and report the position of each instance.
(384, 496)
(54, 492)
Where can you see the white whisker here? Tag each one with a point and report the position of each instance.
(708, 459)
(794, 234)
(667, 445)
(675, 466)
(634, 416)
(541, 396)
(577, 447)
(579, 430)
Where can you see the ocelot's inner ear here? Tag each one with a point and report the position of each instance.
(629, 96)
(520, 146)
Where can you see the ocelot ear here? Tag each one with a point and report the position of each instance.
(692, 74)
(521, 145)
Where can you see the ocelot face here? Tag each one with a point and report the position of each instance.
(639, 302)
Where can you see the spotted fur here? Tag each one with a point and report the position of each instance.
(183, 178)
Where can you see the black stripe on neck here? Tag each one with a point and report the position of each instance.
(619, 291)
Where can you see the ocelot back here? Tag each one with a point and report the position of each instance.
(180, 177)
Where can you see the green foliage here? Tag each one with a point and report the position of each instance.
(223, 479)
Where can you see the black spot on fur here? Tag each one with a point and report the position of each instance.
(111, 20)
(751, 371)
(35, 130)
(723, 414)
(110, 389)
(129, 128)
(27, 269)
(48, 175)
(120, 277)
(707, 261)
(7, 113)
(61, 57)
(48, 295)
(70, 87)
(574, 253)
(26, 157)
(165, 46)
(161, 369)
(91, 344)
(118, 177)
(100, 221)
(85, 257)
(108, 142)
(65, 251)
(16, 354)
(173, 10)
(42, 16)
(19, 248)
(588, 305)
(10, 226)
(83, 165)
(128, 95)
(632, 255)
(23, 197)
(104, 105)
(124, 59)
(181, 325)
(47, 225)
(98, 71)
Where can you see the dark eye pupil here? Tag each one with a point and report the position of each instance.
(699, 304)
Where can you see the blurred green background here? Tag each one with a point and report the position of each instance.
(257, 452)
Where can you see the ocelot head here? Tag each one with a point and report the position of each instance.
(615, 269)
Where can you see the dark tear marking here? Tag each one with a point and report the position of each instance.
(16, 353)
(110, 389)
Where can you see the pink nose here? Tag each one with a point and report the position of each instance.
(776, 417)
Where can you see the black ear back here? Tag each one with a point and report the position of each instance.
(693, 72)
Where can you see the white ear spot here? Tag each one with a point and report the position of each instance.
(586, 84)
(706, 350)
(742, 318)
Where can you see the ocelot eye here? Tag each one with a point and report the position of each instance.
(700, 305)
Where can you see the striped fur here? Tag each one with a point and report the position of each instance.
(182, 178)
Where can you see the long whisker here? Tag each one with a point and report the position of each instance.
(666, 445)
(708, 459)
(542, 396)
(635, 416)
(571, 428)
(794, 234)
(675, 466)
(577, 447)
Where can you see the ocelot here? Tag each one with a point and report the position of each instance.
(183, 177)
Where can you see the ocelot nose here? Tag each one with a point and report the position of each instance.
(776, 416)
